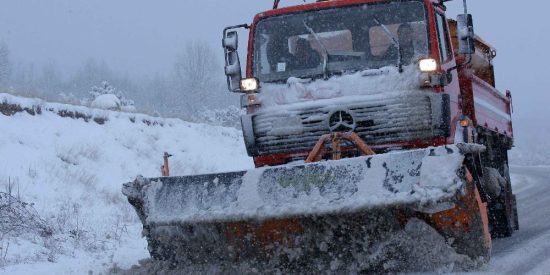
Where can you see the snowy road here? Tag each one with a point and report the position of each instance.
(528, 250)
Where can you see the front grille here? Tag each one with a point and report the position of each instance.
(379, 121)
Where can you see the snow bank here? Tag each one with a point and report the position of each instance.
(71, 161)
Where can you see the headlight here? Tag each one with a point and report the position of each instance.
(427, 65)
(250, 84)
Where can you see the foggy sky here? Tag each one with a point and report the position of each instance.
(142, 37)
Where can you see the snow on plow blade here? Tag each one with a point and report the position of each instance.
(310, 207)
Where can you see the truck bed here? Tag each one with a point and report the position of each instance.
(482, 102)
(492, 109)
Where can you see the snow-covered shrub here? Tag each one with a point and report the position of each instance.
(227, 117)
(109, 98)
(107, 102)
(73, 229)
(27, 237)
(18, 217)
(21, 226)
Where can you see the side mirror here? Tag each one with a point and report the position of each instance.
(233, 71)
(465, 28)
(230, 43)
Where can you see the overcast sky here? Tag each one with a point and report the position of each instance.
(141, 37)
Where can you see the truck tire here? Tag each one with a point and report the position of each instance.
(514, 200)
(502, 212)
(501, 226)
(515, 208)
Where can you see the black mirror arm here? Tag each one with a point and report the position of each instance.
(245, 26)
(226, 29)
(458, 66)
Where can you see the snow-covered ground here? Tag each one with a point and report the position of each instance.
(73, 170)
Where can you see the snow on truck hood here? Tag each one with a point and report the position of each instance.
(382, 82)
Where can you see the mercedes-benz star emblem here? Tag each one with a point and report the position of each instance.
(341, 121)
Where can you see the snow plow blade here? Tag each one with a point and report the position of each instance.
(294, 213)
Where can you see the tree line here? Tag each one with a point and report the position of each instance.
(195, 83)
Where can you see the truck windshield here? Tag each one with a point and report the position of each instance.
(356, 38)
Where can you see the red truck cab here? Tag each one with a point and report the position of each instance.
(362, 32)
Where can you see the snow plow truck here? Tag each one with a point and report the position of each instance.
(361, 115)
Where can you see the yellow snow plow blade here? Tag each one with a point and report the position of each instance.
(296, 213)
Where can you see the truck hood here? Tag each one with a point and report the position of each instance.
(368, 82)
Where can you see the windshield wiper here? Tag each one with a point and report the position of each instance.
(395, 42)
(325, 51)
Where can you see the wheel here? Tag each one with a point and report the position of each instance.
(502, 213)
(514, 200)
(501, 225)
(515, 208)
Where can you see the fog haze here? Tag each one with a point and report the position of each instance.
(144, 78)
(140, 37)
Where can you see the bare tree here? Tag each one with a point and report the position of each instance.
(196, 66)
(91, 73)
(51, 79)
(156, 94)
(196, 76)
(5, 67)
